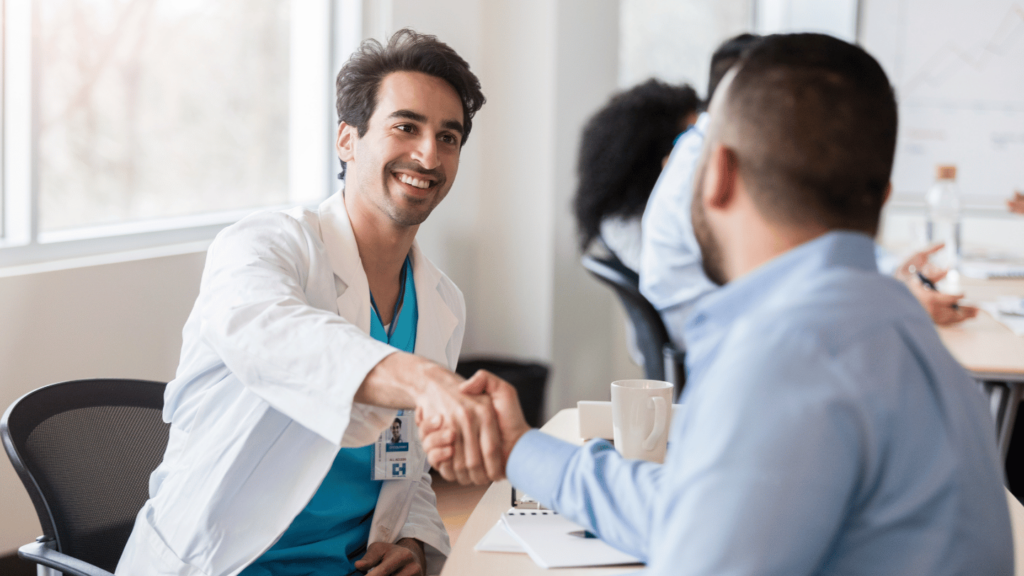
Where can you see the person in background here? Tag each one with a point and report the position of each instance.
(828, 429)
(944, 309)
(622, 150)
(671, 276)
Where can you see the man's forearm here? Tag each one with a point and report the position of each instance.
(400, 380)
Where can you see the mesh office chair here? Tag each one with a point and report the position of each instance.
(662, 360)
(84, 451)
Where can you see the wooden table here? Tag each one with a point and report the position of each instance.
(465, 561)
(991, 352)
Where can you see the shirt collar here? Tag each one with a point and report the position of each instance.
(713, 314)
(701, 125)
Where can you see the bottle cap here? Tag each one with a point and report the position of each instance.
(945, 172)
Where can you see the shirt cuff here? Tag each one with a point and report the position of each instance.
(537, 465)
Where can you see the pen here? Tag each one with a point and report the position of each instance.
(924, 280)
(931, 285)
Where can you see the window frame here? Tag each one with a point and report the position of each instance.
(314, 59)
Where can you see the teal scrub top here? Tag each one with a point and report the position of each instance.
(331, 532)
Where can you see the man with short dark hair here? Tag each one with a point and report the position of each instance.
(312, 327)
(827, 430)
(671, 276)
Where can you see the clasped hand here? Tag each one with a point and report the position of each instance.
(469, 428)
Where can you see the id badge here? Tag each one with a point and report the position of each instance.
(396, 454)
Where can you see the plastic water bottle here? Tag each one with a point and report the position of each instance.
(943, 224)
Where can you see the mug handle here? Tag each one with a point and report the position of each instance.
(660, 413)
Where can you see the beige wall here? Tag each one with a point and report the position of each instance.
(119, 320)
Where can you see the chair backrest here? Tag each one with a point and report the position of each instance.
(651, 335)
(84, 451)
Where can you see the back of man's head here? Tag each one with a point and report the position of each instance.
(812, 120)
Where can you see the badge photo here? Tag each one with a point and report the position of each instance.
(396, 453)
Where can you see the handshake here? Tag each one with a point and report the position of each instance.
(469, 427)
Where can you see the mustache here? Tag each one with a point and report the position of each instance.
(435, 174)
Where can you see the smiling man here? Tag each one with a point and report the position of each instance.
(314, 335)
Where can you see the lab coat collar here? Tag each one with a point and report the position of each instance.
(437, 321)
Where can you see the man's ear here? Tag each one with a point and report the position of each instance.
(888, 193)
(346, 142)
(722, 177)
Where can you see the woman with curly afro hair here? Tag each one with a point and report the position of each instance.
(622, 151)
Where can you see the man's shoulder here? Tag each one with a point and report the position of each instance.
(840, 326)
(840, 308)
(297, 218)
(298, 225)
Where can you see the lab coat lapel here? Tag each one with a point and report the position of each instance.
(437, 322)
(343, 253)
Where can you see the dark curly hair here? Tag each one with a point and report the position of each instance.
(621, 151)
(406, 51)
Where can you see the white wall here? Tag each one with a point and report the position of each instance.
(585, 329)
(119, 320)
(673, 39)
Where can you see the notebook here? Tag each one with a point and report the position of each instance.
(553, 541)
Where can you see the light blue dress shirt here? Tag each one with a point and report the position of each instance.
(828, 431)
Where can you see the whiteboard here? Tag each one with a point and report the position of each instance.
(958, 70)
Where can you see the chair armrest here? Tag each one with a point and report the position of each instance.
(40, 553)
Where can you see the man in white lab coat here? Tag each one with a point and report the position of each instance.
(289, 355)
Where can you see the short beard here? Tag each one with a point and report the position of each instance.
(411, 217)
(710, 249)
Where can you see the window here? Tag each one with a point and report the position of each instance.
(133, 123)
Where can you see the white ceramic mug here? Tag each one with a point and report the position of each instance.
(641, 414)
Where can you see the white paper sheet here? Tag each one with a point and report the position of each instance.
(499, 539)
(1012, 321)
(547, 538)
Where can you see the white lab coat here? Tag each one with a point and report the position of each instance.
(274, 350)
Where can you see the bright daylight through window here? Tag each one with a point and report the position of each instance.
(155, 108)
(143, 116)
